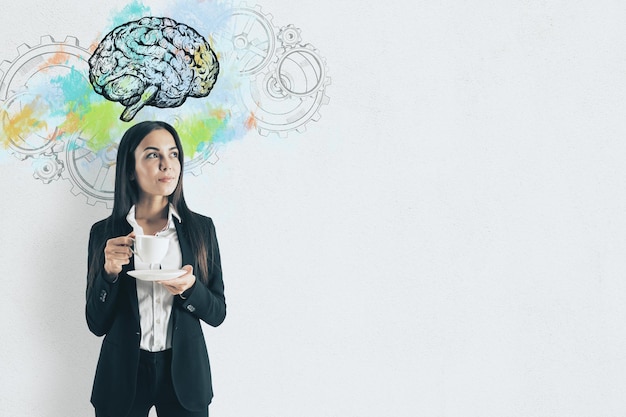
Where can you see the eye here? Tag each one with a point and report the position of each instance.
(175, 154)
(152, 155)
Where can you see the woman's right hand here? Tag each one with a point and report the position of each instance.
(117, 253)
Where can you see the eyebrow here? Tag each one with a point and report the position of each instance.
(157, 149)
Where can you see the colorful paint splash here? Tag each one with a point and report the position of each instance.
(23, 122)
(66, 96)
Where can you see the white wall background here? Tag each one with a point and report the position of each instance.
(448, 240)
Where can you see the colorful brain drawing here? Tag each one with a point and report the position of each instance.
(152, 62)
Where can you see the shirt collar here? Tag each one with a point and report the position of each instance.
(174, 213)
(130, 217)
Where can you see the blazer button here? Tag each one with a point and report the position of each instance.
(191, 308)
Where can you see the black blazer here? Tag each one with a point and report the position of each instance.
(112, 310)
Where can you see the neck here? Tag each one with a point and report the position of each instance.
(152, 209)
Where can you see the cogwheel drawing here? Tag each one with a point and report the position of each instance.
(91, 174)
(289, 36)
(53, 155)
(301, 71)
(206, 155)
(47, 167)
(36, 65)
(248, 39)
(49, 58)
(283, 82)
(290, 95)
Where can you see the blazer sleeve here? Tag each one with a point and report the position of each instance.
(207, 302)
(101, 293)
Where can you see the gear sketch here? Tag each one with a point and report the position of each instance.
(289, 36)
(283, 82)
(301, 71)
(54, 156)
(206, 155)
(290, 94)
(275, 110)
(47, 168)
(90, 173)
(48, 59)
(249, 39)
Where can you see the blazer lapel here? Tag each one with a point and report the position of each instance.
(188, 259)
(185, 245)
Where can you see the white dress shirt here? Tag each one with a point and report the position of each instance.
(155, 302)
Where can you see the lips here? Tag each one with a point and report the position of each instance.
(166, 179)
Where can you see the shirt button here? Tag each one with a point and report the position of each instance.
(158, 321)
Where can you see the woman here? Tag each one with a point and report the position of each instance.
(153, 352)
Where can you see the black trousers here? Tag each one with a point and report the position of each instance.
(154, 388)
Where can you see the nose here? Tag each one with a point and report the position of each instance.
(165, 165)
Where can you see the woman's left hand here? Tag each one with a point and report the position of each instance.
(179, 285)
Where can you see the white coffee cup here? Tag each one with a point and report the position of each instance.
(151, 249)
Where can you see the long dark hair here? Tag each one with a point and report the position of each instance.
(127, 194)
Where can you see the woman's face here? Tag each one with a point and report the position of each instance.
(157, 168)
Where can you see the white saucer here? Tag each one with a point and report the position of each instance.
(156, 274)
